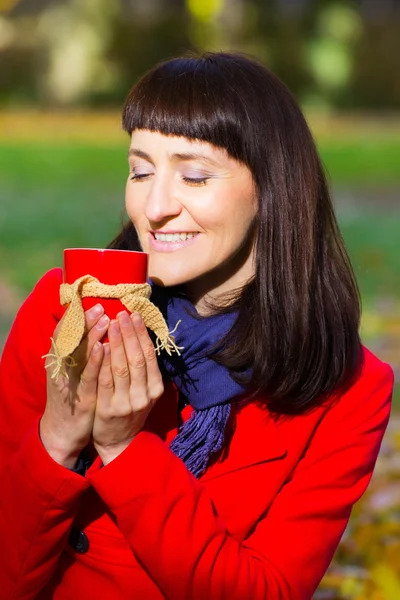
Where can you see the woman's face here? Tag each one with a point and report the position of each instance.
(193, 207)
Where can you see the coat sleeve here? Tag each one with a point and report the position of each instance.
(38, 498)
(169, 519)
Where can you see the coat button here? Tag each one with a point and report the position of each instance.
(79, 541)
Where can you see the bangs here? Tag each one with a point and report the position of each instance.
(191, 97)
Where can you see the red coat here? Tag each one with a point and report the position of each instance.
(263, 523)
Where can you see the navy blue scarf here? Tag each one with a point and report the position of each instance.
(204, 384)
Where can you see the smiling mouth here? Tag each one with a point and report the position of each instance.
(174, 237)
(171, 242)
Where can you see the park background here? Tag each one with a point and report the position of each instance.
(65, 68)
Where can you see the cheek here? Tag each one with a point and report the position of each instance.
(135, 215)
(133, 204)
(236, 218)
(128, 199)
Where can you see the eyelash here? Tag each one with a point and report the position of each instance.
(195, 180)
(187, 180)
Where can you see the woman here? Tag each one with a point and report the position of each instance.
(229, 472)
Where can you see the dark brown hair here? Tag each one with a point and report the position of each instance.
(298, 320)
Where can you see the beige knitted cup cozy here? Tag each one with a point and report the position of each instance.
(134, 296)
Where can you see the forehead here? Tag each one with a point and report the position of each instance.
(154, 142)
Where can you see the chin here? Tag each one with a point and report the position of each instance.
(164, 278)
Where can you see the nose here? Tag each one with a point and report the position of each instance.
(161, 202)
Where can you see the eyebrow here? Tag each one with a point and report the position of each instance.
(185, 156)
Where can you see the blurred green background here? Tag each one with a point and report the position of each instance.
(65, 68)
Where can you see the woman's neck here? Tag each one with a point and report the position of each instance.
(220, 287)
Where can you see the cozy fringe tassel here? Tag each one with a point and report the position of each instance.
(168, 345)
(201, 436)
(60, 364)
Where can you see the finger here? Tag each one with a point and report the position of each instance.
(96, 324)
(92, 316)
(90, 374)
(96, 333)
(134, 354)
(119, 363)
(155, 384)
(105, 384)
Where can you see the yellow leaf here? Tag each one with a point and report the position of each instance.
(387, 581)
(204, 10)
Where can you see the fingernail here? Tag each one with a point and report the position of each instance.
(106, 347)
(114, 328)
(96, 347)
(123, 318)
(103, 322)
(96, 311)
(137, 319)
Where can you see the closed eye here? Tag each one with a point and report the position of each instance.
(195, 180)
(139, 176)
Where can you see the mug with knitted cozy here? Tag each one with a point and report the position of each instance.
(117, 279)
(110, 267)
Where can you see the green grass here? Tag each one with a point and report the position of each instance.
(52, 198)
(396, 396)
(362, 162)
(373, 241)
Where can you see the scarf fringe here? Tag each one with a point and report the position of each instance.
(201, 437)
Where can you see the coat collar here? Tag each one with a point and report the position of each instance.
(256, 439)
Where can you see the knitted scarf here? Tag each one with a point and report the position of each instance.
(204, 384)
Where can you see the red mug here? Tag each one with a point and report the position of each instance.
(108, 266)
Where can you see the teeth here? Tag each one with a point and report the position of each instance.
(173, 237)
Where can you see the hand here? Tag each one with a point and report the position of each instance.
(67, 422)
(129, 384)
